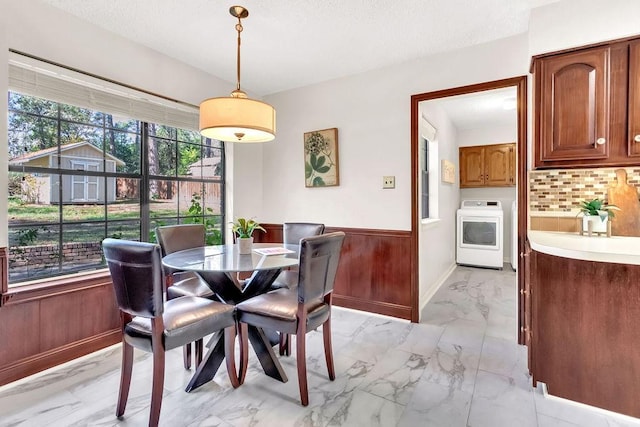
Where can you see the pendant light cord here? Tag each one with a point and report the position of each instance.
(239, 30)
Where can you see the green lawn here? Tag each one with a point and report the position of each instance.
(20, 213)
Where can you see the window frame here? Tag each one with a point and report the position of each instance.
(46, 283)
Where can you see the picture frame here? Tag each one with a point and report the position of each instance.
(448, 172)
(321, 158)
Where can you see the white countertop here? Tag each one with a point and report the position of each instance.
(615, 249)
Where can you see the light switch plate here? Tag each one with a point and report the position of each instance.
(388, 182)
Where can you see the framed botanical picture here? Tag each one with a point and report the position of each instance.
(321, 158)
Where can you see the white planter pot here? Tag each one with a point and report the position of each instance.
(598, 225)
(245, 245)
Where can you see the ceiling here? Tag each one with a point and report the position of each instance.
(480, 109)
(295, 43)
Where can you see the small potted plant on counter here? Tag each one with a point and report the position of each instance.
(595, 215)
(244, 228)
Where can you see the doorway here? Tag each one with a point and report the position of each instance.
(520, 86)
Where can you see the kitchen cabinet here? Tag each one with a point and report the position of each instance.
(488, 166)
(586, 109)
(634, 99)
(584, 340)
(525, 304)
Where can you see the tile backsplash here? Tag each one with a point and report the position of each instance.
(561, 191)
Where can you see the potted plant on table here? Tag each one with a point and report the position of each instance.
(243, 229)
(597, 213)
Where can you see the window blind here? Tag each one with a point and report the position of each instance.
(30, 76)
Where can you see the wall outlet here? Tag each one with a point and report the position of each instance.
(388, 182)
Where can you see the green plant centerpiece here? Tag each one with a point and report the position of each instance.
(596, 208)
(243, 228)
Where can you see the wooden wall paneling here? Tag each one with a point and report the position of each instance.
(45, 325)
(87, 313)
(375, 270)
(19, 332)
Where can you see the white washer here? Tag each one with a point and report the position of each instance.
(479, 233)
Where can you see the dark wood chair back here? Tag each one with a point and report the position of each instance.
(136, 272)
(174, 238)
(292, 232)
(319, 256)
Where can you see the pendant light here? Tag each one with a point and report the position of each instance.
(237, 118)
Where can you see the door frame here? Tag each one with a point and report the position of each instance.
(520, 83)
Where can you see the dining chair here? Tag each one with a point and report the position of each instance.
(174, 238)
(292, 232)
(298, 311)
(152, 325)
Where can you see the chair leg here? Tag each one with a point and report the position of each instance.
(186, 356)
(328, 351)
(301, 356)
(198, 352)
(125, 378)
(285, 344)
(157, 388)
(230, 355)
(243, 337)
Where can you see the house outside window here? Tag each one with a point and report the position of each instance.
(78, 175)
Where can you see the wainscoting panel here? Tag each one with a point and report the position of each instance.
(375, 269)
(47, 324)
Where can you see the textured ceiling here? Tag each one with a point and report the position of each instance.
(480, 109)
(294, 43)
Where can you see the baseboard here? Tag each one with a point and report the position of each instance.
(424, 300)
(394, 310)
(57, 356)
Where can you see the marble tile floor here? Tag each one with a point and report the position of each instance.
(461, 366)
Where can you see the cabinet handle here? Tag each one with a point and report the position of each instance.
(637, 138)
(600, 141)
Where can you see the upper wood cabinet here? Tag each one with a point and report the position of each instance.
(488, 166)
(586, 110)
(634, 98)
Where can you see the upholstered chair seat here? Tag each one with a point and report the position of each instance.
(189, 285)
(279, 309)
(185, 319)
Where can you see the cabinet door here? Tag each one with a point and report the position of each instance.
(526, 330)
(634, 99)
(499, 162)
(574, 106)
(472, 167)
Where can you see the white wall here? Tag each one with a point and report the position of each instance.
(437, 240)
(372, 114)
(506, 195)
(573, 23)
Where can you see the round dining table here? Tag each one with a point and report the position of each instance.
(220, 266)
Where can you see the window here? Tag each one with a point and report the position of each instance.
(78, 175)
(428, 162)
(429, 179)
